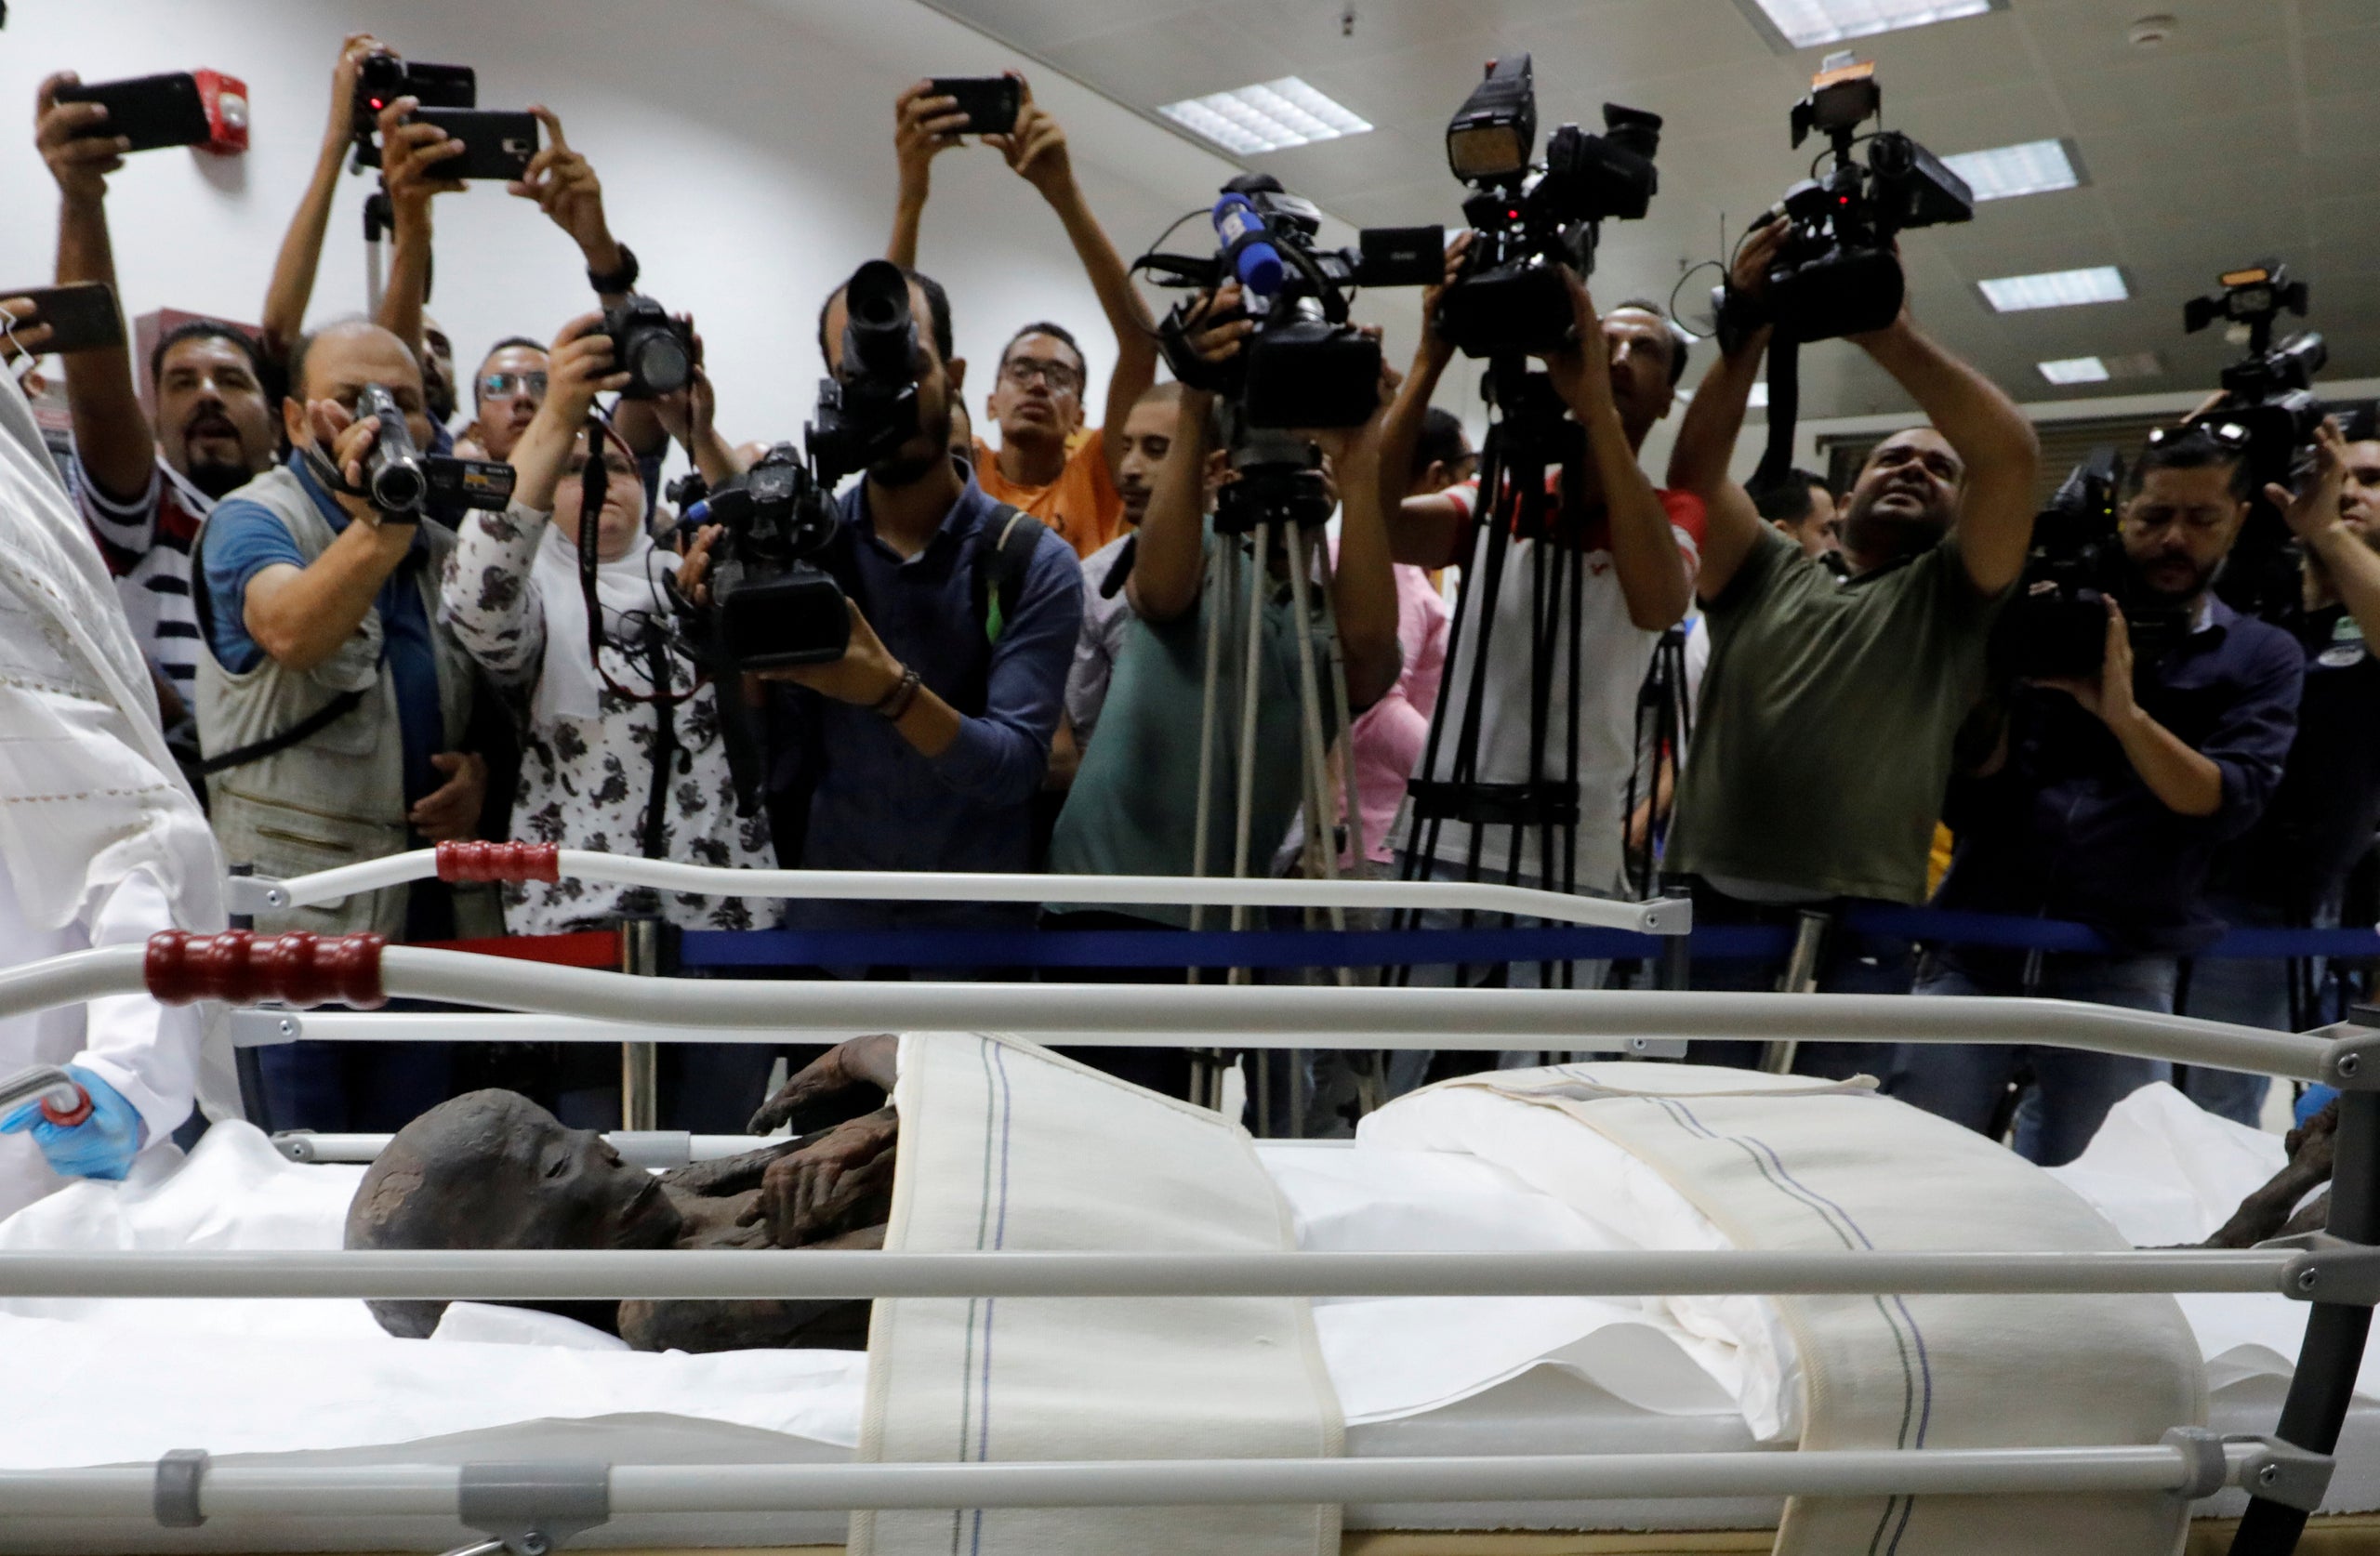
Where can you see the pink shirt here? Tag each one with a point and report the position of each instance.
(1388, 739)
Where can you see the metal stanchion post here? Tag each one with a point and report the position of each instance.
(639, 1062)
(249, 1062)
(1801, 977)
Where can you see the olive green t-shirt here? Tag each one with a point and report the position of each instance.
(1133, 807)
(1823, 734)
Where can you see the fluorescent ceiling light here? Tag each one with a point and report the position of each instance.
(1807, 24)
(1759, 394)
(2003, 172)
(2075, 370)
(2014, 293)
(2099, 370)
(1265, 117)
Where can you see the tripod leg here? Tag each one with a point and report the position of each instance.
(1221, 581)
(1250, 685)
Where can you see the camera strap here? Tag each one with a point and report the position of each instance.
(1784, 409)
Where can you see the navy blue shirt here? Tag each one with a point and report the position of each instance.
(2067, 829)
(877, 802)
(244, 537)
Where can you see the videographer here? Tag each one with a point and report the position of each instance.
(332, 703)
(1047, 465)
(144, 485)
(1641, 547)
(2291, 870)
(2105, 797)
(922, 746)
(1825, 721)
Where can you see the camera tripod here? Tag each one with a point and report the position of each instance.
(1279, 512)
(1532, 440)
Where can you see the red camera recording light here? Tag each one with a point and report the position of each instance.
(225, 98)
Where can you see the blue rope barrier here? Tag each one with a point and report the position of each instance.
(1885, 930)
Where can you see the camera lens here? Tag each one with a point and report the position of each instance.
(399, 488)
(661, 362)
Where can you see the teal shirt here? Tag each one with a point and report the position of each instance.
(1133, 807)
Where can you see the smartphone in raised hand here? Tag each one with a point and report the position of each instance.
(990, 102)
(150, 110)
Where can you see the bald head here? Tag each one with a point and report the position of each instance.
(335, 363)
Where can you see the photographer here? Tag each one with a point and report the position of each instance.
(1825, 721)
(1047, 465)
(922, 746)
(144, 485)
(332, 701)
(2105, 798)
(1134, 806)
(2291, 870)
(1641, 550)
(621, 747)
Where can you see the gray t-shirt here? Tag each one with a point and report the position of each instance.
(1826, 722)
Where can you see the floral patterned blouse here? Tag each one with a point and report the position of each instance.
(587, 783)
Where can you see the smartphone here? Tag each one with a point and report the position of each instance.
(82, 317)
(154, 111)
(990, 102)
(497, 143)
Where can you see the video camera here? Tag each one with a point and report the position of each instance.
(381, 79)
(1836, 272)
(1527, 219)
(401, 479)
(2057, 625)
(2269, 391)
(771, 605)
(1305, 365)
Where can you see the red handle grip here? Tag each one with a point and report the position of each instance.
(476, 861)
(67, 1120)
(242, 968)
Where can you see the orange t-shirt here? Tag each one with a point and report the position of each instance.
(1081, 507)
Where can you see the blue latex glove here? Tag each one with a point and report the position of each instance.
(2316, 1099)
(101, 1146)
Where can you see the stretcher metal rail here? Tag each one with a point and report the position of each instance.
(2338, 1272)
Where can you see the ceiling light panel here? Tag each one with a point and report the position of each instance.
(1265, 117)
(2015, 293)
(2075, 370)
(1808, 23)
(2004, 172)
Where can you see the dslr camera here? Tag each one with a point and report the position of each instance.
(772, 604)
(401, 479)
(1527, 219)
(2057, 624)
(1836, 272)
(1305, 365)
(654, 350)
(2268, 391)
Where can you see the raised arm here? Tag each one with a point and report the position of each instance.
(1423, 531)
(303, 615)
(922, 125)
(1644, 553)
(1169, 560)
(1992, 438)
(406, 150)
(1036, 150)
(1363, 587)
(2314, 517)
(112, 434)
(1706, 434)
(301, 247)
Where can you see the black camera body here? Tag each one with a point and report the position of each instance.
(1306, 365)
(381, 79)
(654, 350)
(400, 478)
(771, 605)
(1528, 220)
(2057, 625)
(1836, 274)
(2269, 391)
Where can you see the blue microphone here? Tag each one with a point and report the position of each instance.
(1240, 227)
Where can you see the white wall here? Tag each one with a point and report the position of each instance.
(744, 147)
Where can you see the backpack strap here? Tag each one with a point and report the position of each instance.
(314, 723)
(1002, 562)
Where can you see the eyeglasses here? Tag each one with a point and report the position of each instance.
(507, 386)
(1023, 371)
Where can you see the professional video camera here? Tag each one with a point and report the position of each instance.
(1836, 272)
(2057, 624)
(770, 603)
(1527, 219)
(1305, 365)
(401, 479)
(2269, 391)
(656, 351)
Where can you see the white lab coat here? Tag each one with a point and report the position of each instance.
(101, 841)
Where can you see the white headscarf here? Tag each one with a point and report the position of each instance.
(568, 686)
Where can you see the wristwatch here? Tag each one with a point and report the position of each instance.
(621, 280)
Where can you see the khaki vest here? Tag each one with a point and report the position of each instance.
(336, 797)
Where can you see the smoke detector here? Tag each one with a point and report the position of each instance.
(2153, 32)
